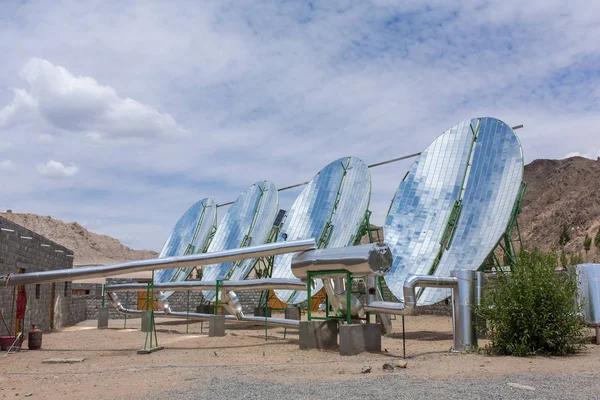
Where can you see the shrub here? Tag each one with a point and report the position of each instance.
(533, 310)
(565, 236)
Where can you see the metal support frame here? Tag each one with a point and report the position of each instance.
(366, 228)
(510, 250)
(267, 268)
(151, 340)
(509, 245)
(310, 276)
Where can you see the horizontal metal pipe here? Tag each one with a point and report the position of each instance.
(366, 259)
(63, 275)
(285, 323)
(253, 284)
(409, 289)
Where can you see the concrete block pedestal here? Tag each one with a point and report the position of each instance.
(318, 335)
(144, 323)
(102, 317)
(357, 338)
(292, 313)
(216, 326)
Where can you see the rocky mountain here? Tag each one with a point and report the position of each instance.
(561, 192)
(88, 247)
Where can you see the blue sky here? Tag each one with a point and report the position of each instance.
(120, 115)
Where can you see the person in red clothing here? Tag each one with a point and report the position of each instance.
(21, 303)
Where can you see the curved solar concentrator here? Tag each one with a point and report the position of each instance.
(332, 208)
(190, 235)
(248, 222)
(493, 185)
(455, 203)
(588, 284)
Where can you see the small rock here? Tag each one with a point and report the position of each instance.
(28, 394)
(366, 369)
(519, 386)
(388, 367)
(401, 364)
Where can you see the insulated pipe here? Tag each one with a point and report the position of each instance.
(64, 275)
(463, 301)
(252, 284)
(479, 288)
(373, 295)
(366, 259)
(280, 322)
(114, 300)
(337, 295)
(409, 289)
(229, 300)
(462, 283)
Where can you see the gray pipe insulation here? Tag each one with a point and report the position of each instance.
(168, 313)
(100, 271)
(252, 284)
(464, 297)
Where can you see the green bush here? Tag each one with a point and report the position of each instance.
(533, 310)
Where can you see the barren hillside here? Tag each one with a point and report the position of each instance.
(561, 192)
(88, 247)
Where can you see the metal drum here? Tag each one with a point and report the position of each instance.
(34, 341)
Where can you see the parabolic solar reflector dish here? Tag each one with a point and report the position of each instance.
(190, 235)
(248, 222)
(331, 209)
(452, 208)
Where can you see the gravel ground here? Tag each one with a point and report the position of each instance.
(245, 365)
(582, 386)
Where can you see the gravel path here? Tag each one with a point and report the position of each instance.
(581, 386)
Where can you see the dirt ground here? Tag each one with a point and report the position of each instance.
(113, 369)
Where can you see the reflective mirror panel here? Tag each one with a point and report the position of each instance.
(488, 200)
(588, 283)
(191, 235)
(247, 222)
(422, 205)
(454, 204)
(331, 209)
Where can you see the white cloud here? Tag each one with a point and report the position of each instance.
(272, 92)
(7, 165)
(56, 169)
(80, 104)
(586, 154)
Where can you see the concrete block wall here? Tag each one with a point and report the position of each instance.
(94, 300)
(17, 251)
(179, 300)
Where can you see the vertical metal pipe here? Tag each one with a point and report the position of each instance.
(348, 298)
(479, 288)
(309, 298)
(370, 290)
(403, 339)
(463, 302)
(187, 316)
(217, 298)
